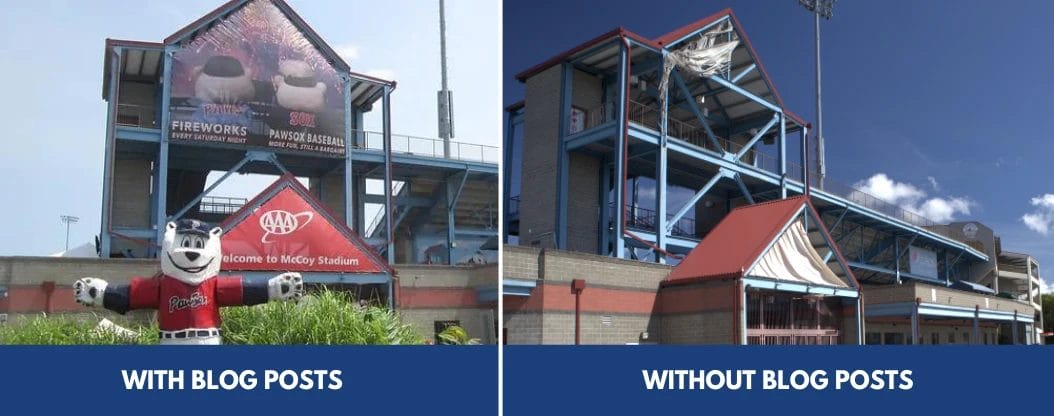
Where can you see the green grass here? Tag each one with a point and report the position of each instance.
(326, 317)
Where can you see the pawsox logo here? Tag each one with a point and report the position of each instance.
(195, 301)
(280, 222)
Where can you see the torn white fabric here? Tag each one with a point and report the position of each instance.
(706, 56)
(794, 259)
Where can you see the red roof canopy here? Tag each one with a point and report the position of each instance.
(732, 247)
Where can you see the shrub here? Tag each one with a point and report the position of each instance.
(70, 330)
(326, 317)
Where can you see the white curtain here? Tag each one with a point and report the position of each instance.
(794, 259)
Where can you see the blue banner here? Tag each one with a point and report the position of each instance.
(642, 380)
(247, 380)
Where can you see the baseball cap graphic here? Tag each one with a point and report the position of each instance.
(281, 222)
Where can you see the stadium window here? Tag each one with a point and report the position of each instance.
(935, 338)
(951, 337)
(894, 338)
(873, 338)
(966, 337)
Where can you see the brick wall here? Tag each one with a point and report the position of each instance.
(583, 205)
(908, 291)
(618, 305)
(429, 293)
(131, 193)
(541, 126)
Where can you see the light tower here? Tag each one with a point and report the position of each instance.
(824, 9)
(68, 219)
(446, 97)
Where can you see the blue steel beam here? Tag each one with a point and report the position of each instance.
(695, 110)
(591, 135)
(721, 173)
(743, 188)
(620, 150)
(783, 156)
(753, 140)
(744, 93)
(749, 69)
(661, 172)
(386, 117)
(161, 191)
(453, 193)
(237, 167)
(695, 152)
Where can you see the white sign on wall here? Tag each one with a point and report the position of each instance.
(578, 120)
(922, 262)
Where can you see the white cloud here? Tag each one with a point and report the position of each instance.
(1044, 287)
(349, 52)
(944, 209)
(933, 182)
(1041, 218)
(912, 198)
(883, 187)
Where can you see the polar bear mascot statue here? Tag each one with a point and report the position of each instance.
(189, 293)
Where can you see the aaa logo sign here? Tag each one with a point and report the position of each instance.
(288, 233)
(280, 222)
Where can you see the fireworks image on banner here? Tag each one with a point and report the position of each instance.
(260, 37)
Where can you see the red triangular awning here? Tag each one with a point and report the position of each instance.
(286, 229)
(741, 238)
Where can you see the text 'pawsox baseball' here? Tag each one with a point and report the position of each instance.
(232, 380)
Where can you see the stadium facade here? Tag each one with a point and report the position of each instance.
(650, 203)
(250, 88)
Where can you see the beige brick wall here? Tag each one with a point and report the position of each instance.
(600, 328)
(713, 327)
(908, 291)
(421, 275)
(64, 271)
(564, 266)
(540, 131)
(583, 205)
(520, 262)
(523, 327)
(131, 193)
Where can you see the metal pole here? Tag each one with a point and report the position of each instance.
(446, 115)
(819, 109)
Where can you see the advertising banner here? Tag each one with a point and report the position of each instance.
(254, 80)
(922, 262)
(287, 233)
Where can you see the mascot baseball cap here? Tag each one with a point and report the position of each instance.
(192, 227)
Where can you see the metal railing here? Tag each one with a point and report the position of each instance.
(136, 115)
(428, 147)
(644, 219)
(647, 116)
(221, 205)
(397, 190)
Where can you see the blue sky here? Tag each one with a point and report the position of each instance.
(937, 105)
(53, 116)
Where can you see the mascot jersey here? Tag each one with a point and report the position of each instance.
(183, 306)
